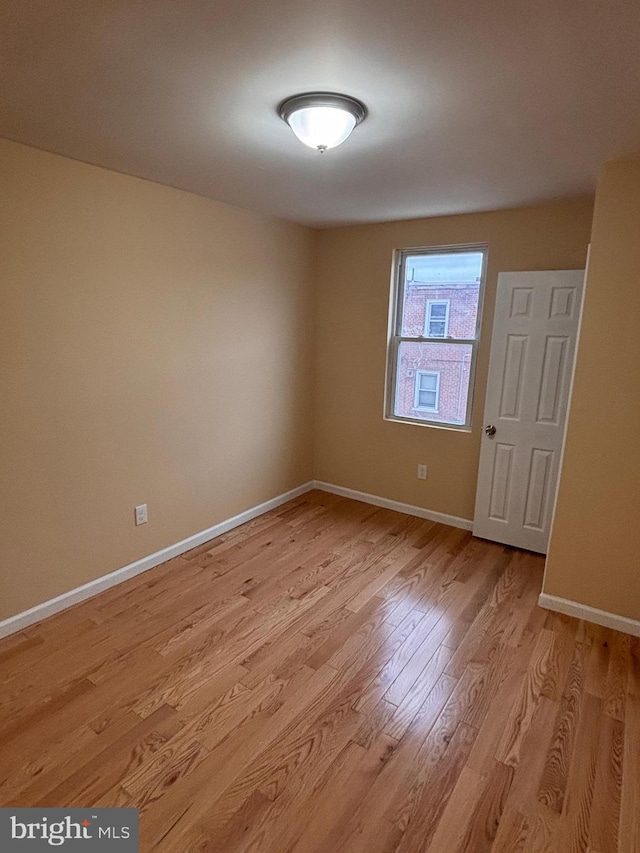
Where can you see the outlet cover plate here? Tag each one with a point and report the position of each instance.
(141, 514)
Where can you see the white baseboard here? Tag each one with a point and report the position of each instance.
(88, 590)
(590, 614)
(408, 509)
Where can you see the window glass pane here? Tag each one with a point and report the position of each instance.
(452, 278)
(436, 329)
(453, 363)
(427, 399)
(438, 310)
(428, 381)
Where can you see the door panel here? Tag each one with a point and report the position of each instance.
(532, 355)
(514, 366)
(554, 379)
(521, 299)
(538, 488)
(501, 482)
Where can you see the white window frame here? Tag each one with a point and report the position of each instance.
(395, 337)
(428, 319)
(417, 389)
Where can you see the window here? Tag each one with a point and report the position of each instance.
(435, 316)
(427, 391)
(437, 319)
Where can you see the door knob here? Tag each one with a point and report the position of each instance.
(490, 430)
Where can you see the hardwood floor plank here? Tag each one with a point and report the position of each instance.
(523, 796)
(542, 836)
(524, 708)
(370, 828)
(104, 769)
(563, 629)
(487, 814)
(558, 764)
(374, 724)
(573, 833)
(598, 663)
(17, 644)
(512, 833)
(452, 828)
(344, 786)
(617, 676)
(605, 810)
(633, 686)
(496, 701)
(417, 694)
(425, 803)
(629, 825)
(166, 767)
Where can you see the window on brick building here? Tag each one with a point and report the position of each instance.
(437, 319)
(434, 334)
(427, 391)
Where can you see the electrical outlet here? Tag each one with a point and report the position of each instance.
(141, 514)
(422, 472)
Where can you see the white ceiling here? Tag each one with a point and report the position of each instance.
(473, 104)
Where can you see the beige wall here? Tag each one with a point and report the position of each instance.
(355, 447)
(155, 347)
(594, 556)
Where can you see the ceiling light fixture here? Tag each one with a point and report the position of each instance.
(322, 120)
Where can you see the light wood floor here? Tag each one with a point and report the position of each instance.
(331, 677)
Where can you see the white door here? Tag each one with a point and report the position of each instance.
(532, 355)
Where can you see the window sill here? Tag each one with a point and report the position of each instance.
(430, 424)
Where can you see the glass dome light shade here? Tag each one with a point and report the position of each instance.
(321, 127)
(322, 120)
